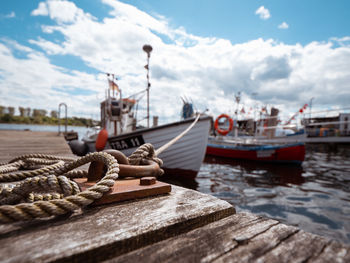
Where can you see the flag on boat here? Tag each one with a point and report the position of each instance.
(113, 86)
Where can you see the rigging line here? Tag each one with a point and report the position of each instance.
(137, 105)
(168, 144)
(137, 93)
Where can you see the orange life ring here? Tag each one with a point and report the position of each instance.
(101, 140)
(221, 131)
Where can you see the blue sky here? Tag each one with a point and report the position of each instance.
(277, 53)
(311, 20)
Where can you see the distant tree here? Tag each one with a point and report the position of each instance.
(28, 110)
(39, 113)
(11, 111)
(21, 111)
(2, 109)
(43, 112)
(35, 113)
(54, 114)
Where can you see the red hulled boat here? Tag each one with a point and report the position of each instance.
(283, 153)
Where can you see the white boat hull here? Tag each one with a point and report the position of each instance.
(183, 158)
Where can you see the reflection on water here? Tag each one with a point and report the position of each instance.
(314, 196)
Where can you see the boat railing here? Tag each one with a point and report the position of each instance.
(316, 129)
(305, 125)
(335, 111)
(327, 123)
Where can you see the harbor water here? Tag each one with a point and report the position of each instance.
(81, 130)
(314, 196)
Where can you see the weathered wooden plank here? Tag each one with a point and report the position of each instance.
(205, 244)
(299, 247)
(239, 238)
(259, 245)
(16, 143)
(333, 252)
(202, 244)
(103, 232)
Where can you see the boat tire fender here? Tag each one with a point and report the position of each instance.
(222, 131)
(101, 140)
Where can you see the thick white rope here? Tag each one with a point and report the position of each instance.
(52, 179)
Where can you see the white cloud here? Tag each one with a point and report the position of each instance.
(34, 82)
(50, 47)
(61, 11)
(42, 10)
(343, 41)
(10, 15)
(263, 13)
(207, 70)
(284, 25)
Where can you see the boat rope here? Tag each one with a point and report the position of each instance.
(44, 189)
(144, 152)
(61, 195)
(168, 144)
(147, 152)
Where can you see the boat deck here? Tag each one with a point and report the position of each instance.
(184, 225)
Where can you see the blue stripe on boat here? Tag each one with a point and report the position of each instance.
(254, 148)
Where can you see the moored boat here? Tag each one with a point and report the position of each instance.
(183, 158)
(122, 132)
(280, 153)
(251, 147)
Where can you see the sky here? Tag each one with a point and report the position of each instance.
(275, 53)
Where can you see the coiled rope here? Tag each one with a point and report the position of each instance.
(52, 178)
(47, 186)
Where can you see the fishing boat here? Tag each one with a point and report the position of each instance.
(251, 147)
(279, 153)
(121, 131)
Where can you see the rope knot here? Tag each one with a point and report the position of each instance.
(144, 152)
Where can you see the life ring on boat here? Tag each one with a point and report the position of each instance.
(221, 131)
(101, 140)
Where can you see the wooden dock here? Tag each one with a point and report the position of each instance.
(16, 143)
(184, 225)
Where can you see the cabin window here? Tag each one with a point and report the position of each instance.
(115, 111)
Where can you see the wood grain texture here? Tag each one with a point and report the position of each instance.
(107, 231)
(242, 238)
(16, 143)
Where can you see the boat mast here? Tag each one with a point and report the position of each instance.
(238, 99)
(148, 50)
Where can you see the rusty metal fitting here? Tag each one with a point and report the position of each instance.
(121, 158)
(97, 169)
(147, 180)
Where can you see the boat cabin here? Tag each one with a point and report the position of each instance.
(117, 115)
